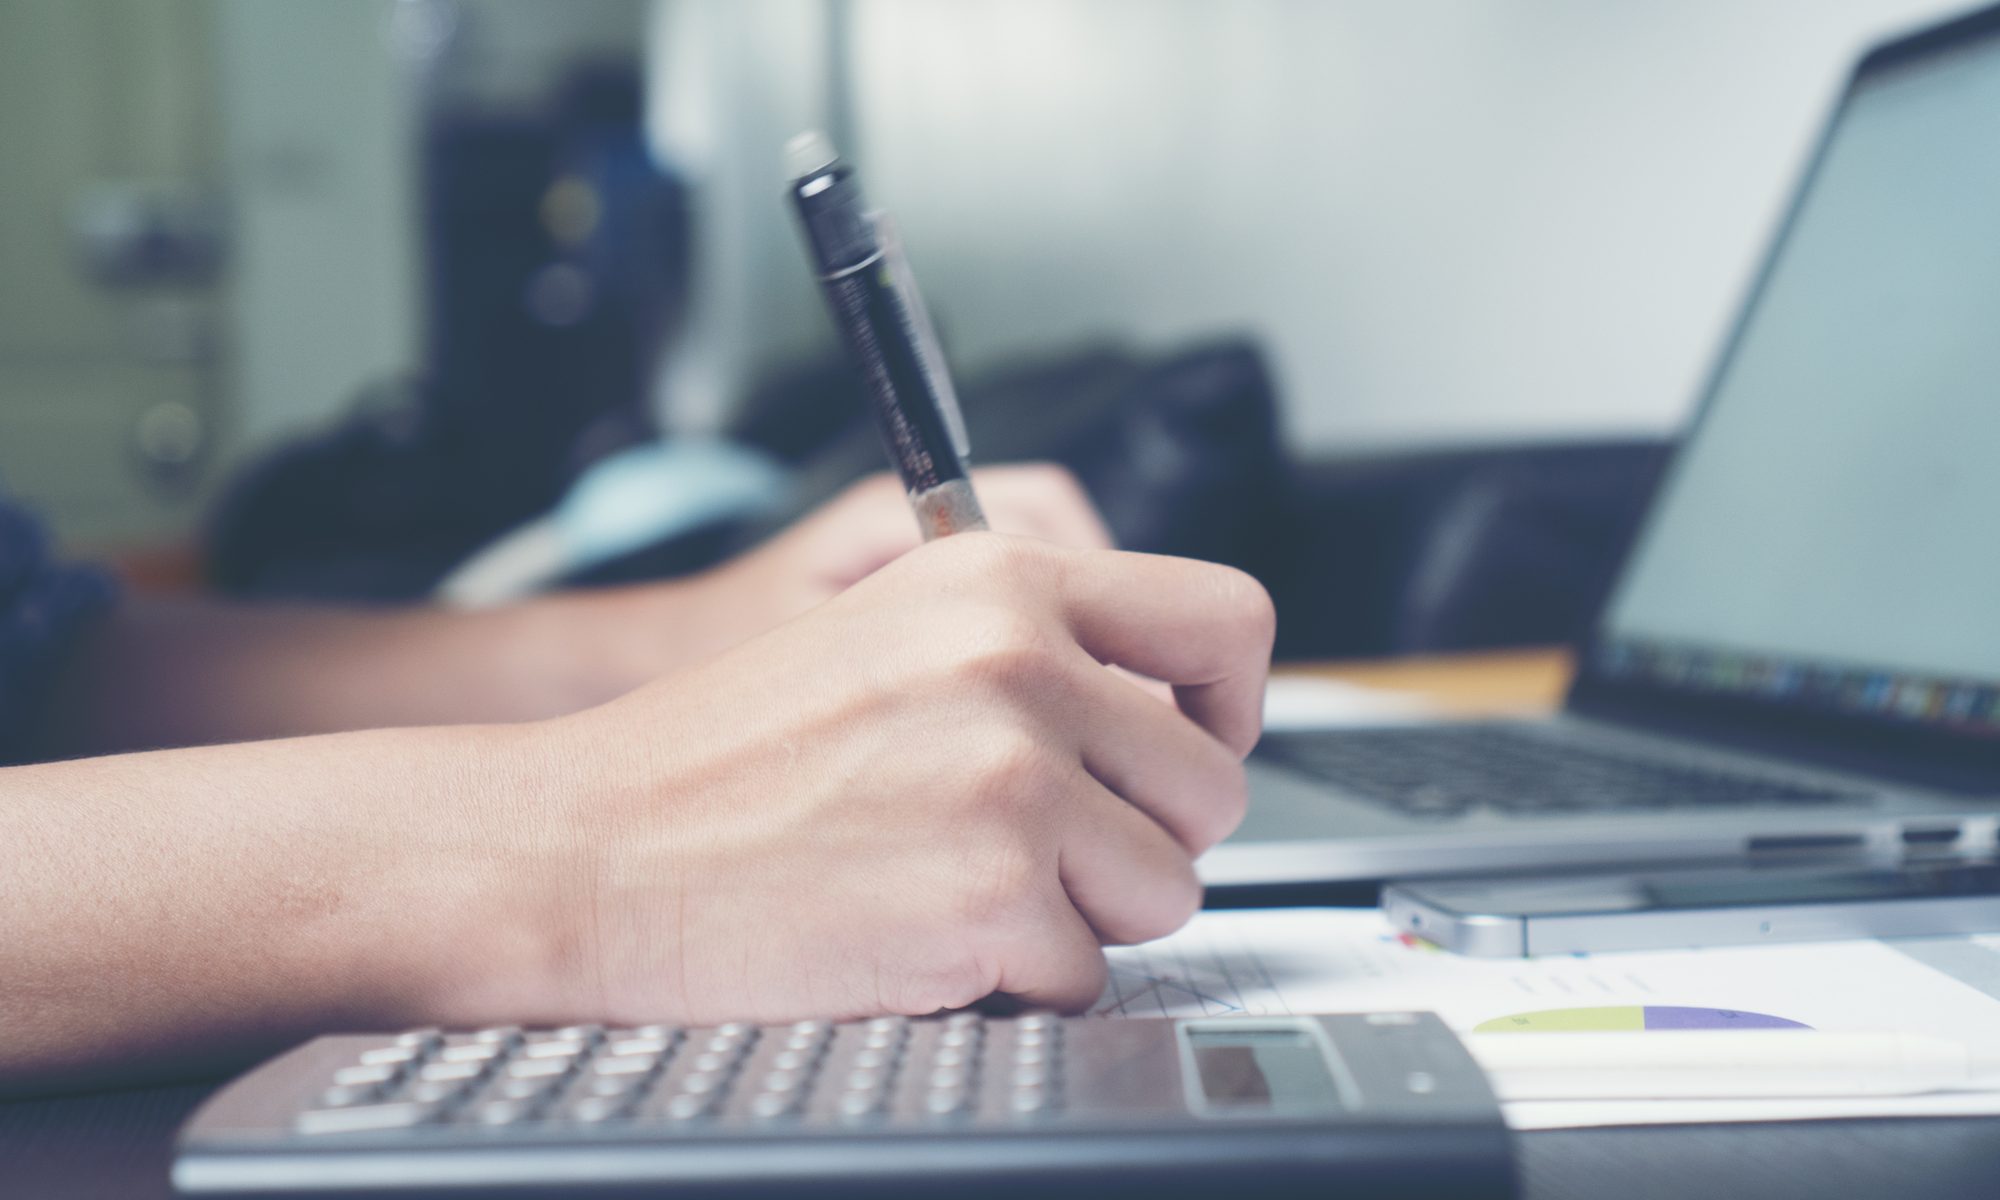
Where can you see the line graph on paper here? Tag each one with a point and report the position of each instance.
(1194, 973)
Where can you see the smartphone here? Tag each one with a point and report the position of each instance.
(1523, 916)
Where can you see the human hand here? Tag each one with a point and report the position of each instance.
(923, 792)
(620, 638)
(869, 524)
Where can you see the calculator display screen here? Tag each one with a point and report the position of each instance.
(1264, 1070)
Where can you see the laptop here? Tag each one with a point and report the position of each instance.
(1801, 653)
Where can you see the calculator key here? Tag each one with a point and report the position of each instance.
(946, 1102)
(451, 1072)
(793, 1060)
(949, 1077)
(390, 1056)
(345, 1095)
(591, 1110)
(689, 1106)
(1031, 1076)
(814, 1029)
(959, 1039)
(770, 1105)
(577, 1033)
(965, 1020)
(951, 1056)
(1029, 1100)
(373, 1075)
(736, 1029)
(1035, 1022)
(873, 1059)
(503, 1111)
(863, 1079)
(526, 1089)
(702, 1083)
(667, 1032)
(423, 1041)
(857, 1105)
(436, 1091)
(472, 1052)
(625, 1064)
(558, 1048)
(1030, 1056)
(714, 1062)
(399, 1114)
(638, 1044)
(499, 1035)
(538, 1068)
(616, 1085)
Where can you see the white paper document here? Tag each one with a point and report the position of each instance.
(1272, 961)
(1302, 702)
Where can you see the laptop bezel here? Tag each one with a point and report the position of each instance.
(1922, 754)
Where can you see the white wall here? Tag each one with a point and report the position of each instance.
(728, 81)
(319, 129)
(1451, 220)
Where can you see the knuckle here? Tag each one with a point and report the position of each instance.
(1014, 786)
(1010, 652)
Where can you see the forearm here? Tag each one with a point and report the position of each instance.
(186, 910)
(178, 673)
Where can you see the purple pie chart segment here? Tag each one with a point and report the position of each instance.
(1675, 1017)
(1632, 1018)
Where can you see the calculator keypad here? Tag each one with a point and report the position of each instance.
(889, 1069)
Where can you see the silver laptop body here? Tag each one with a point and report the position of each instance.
(1813, 601)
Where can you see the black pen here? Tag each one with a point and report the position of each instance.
(881, 317)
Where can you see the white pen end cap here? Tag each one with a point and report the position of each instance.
(808, 152)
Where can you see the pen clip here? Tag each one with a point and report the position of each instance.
(930, 353)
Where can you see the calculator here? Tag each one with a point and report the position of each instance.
(1387, 1104)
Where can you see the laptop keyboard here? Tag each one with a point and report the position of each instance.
(1445, 771)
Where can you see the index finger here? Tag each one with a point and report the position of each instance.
(1205, 629)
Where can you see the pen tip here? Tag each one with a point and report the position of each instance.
(808, 152)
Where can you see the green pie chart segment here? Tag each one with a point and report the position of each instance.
(1632, 1018)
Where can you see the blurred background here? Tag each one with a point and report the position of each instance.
(1394, 302)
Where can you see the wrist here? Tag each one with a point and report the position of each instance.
(489, 882)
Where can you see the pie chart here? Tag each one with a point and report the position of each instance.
(1632, 1018)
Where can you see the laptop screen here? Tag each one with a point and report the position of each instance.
(1829, 536)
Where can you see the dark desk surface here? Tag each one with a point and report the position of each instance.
(117, 1145)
